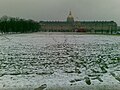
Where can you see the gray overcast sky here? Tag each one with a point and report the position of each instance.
(58, 9)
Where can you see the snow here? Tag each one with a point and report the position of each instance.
(68, 62)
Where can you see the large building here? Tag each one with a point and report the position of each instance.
(79, 26)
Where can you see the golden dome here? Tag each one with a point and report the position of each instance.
(70, 18)
(70, 15)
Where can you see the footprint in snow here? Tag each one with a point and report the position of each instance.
(42, 87)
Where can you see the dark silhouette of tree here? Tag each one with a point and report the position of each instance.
(17, 25)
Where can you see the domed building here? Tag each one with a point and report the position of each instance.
(70, 18)
(79, 26)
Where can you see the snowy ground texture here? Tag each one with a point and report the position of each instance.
(59, 62)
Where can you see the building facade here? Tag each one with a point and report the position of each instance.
(79, 26)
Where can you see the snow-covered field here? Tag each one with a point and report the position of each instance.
(59, 62)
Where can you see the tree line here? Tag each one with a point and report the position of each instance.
(17, 25)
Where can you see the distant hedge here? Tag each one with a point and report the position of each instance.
(11, 24)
